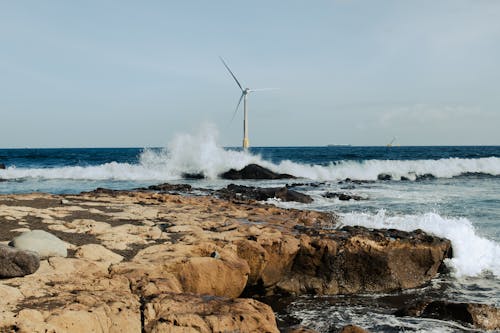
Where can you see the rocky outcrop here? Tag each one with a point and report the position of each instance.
(254, 171)
(166, 187)
(354, 260)
(481, 316)
(157, 261)
(241, 192)
(205, 314)
(2, 166)
(15, 262)
(352, 329)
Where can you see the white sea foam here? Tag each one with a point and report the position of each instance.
(200, 153)
(472, 254)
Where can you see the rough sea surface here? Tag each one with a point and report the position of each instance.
(452, 192)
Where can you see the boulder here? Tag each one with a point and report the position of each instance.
(481, 316)
(384, 176)
(357, 260)
(233, 191)
(192, 313)
(15, 262)
(193, 175)
(254, 171)
(41, 242)
(2, 166)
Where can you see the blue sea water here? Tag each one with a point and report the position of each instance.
(452, 192)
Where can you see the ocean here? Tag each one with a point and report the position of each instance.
(452, 192)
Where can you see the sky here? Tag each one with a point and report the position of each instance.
(138, 73)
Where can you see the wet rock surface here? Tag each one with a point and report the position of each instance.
(481, 316)
(241, 192)
(254, 171)
(343, 196)
(150, 261)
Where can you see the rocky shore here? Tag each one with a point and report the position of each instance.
(149, 261)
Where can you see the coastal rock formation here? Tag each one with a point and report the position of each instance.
(2, 166)
(205, 314)
(352, 329)
(155, 261)
(241, 192)
(481, 316)
(254, 171)
(15, 262)
(41, 242)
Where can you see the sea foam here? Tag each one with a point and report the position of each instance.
(200, 153)
(472, 254)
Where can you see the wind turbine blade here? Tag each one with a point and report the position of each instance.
(237, 106)
(263, 89)
(234, 77)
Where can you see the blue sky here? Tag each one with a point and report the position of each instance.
(134, 74)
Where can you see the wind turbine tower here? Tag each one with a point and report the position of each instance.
(244, 95)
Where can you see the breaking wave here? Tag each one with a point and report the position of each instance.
(472, 254)
(201, 154)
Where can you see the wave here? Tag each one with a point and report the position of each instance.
(472, 254)
(200, 153)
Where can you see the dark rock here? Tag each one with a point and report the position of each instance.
(355, 181)
(427, 176)
(193, 175)
(2, 166)
(343, 196)
(254, 171)
(15, 262)
(357, 260)
(171, 187)
(481, 316)
(233, 191)
(403, 178)
(384, 176)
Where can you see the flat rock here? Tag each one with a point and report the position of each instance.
(242, 192)
(254, 171)
(343, 196)
(205, 314)
(16, 262)
(41, 242)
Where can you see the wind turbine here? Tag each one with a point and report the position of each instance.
(244, 94)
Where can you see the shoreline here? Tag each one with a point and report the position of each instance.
(132, 248)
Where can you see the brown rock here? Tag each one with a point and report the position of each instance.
(190, 313)
(355, 260)
(254, 171)
(352, 329)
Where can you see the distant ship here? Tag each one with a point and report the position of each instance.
(338, 145)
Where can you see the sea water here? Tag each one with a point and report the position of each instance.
(451, 192)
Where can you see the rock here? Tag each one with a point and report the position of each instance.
(352, 329)
(97, 252)
(233, 191)
(191, 313)
(2, 166)
(193, 175)
(171, 187)
(41, 242)
(254, 171)
(299, 329)
(343, 196)
(384, 176)
(481, 316)
(355, 259)
(16, 262)
(427, 176)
